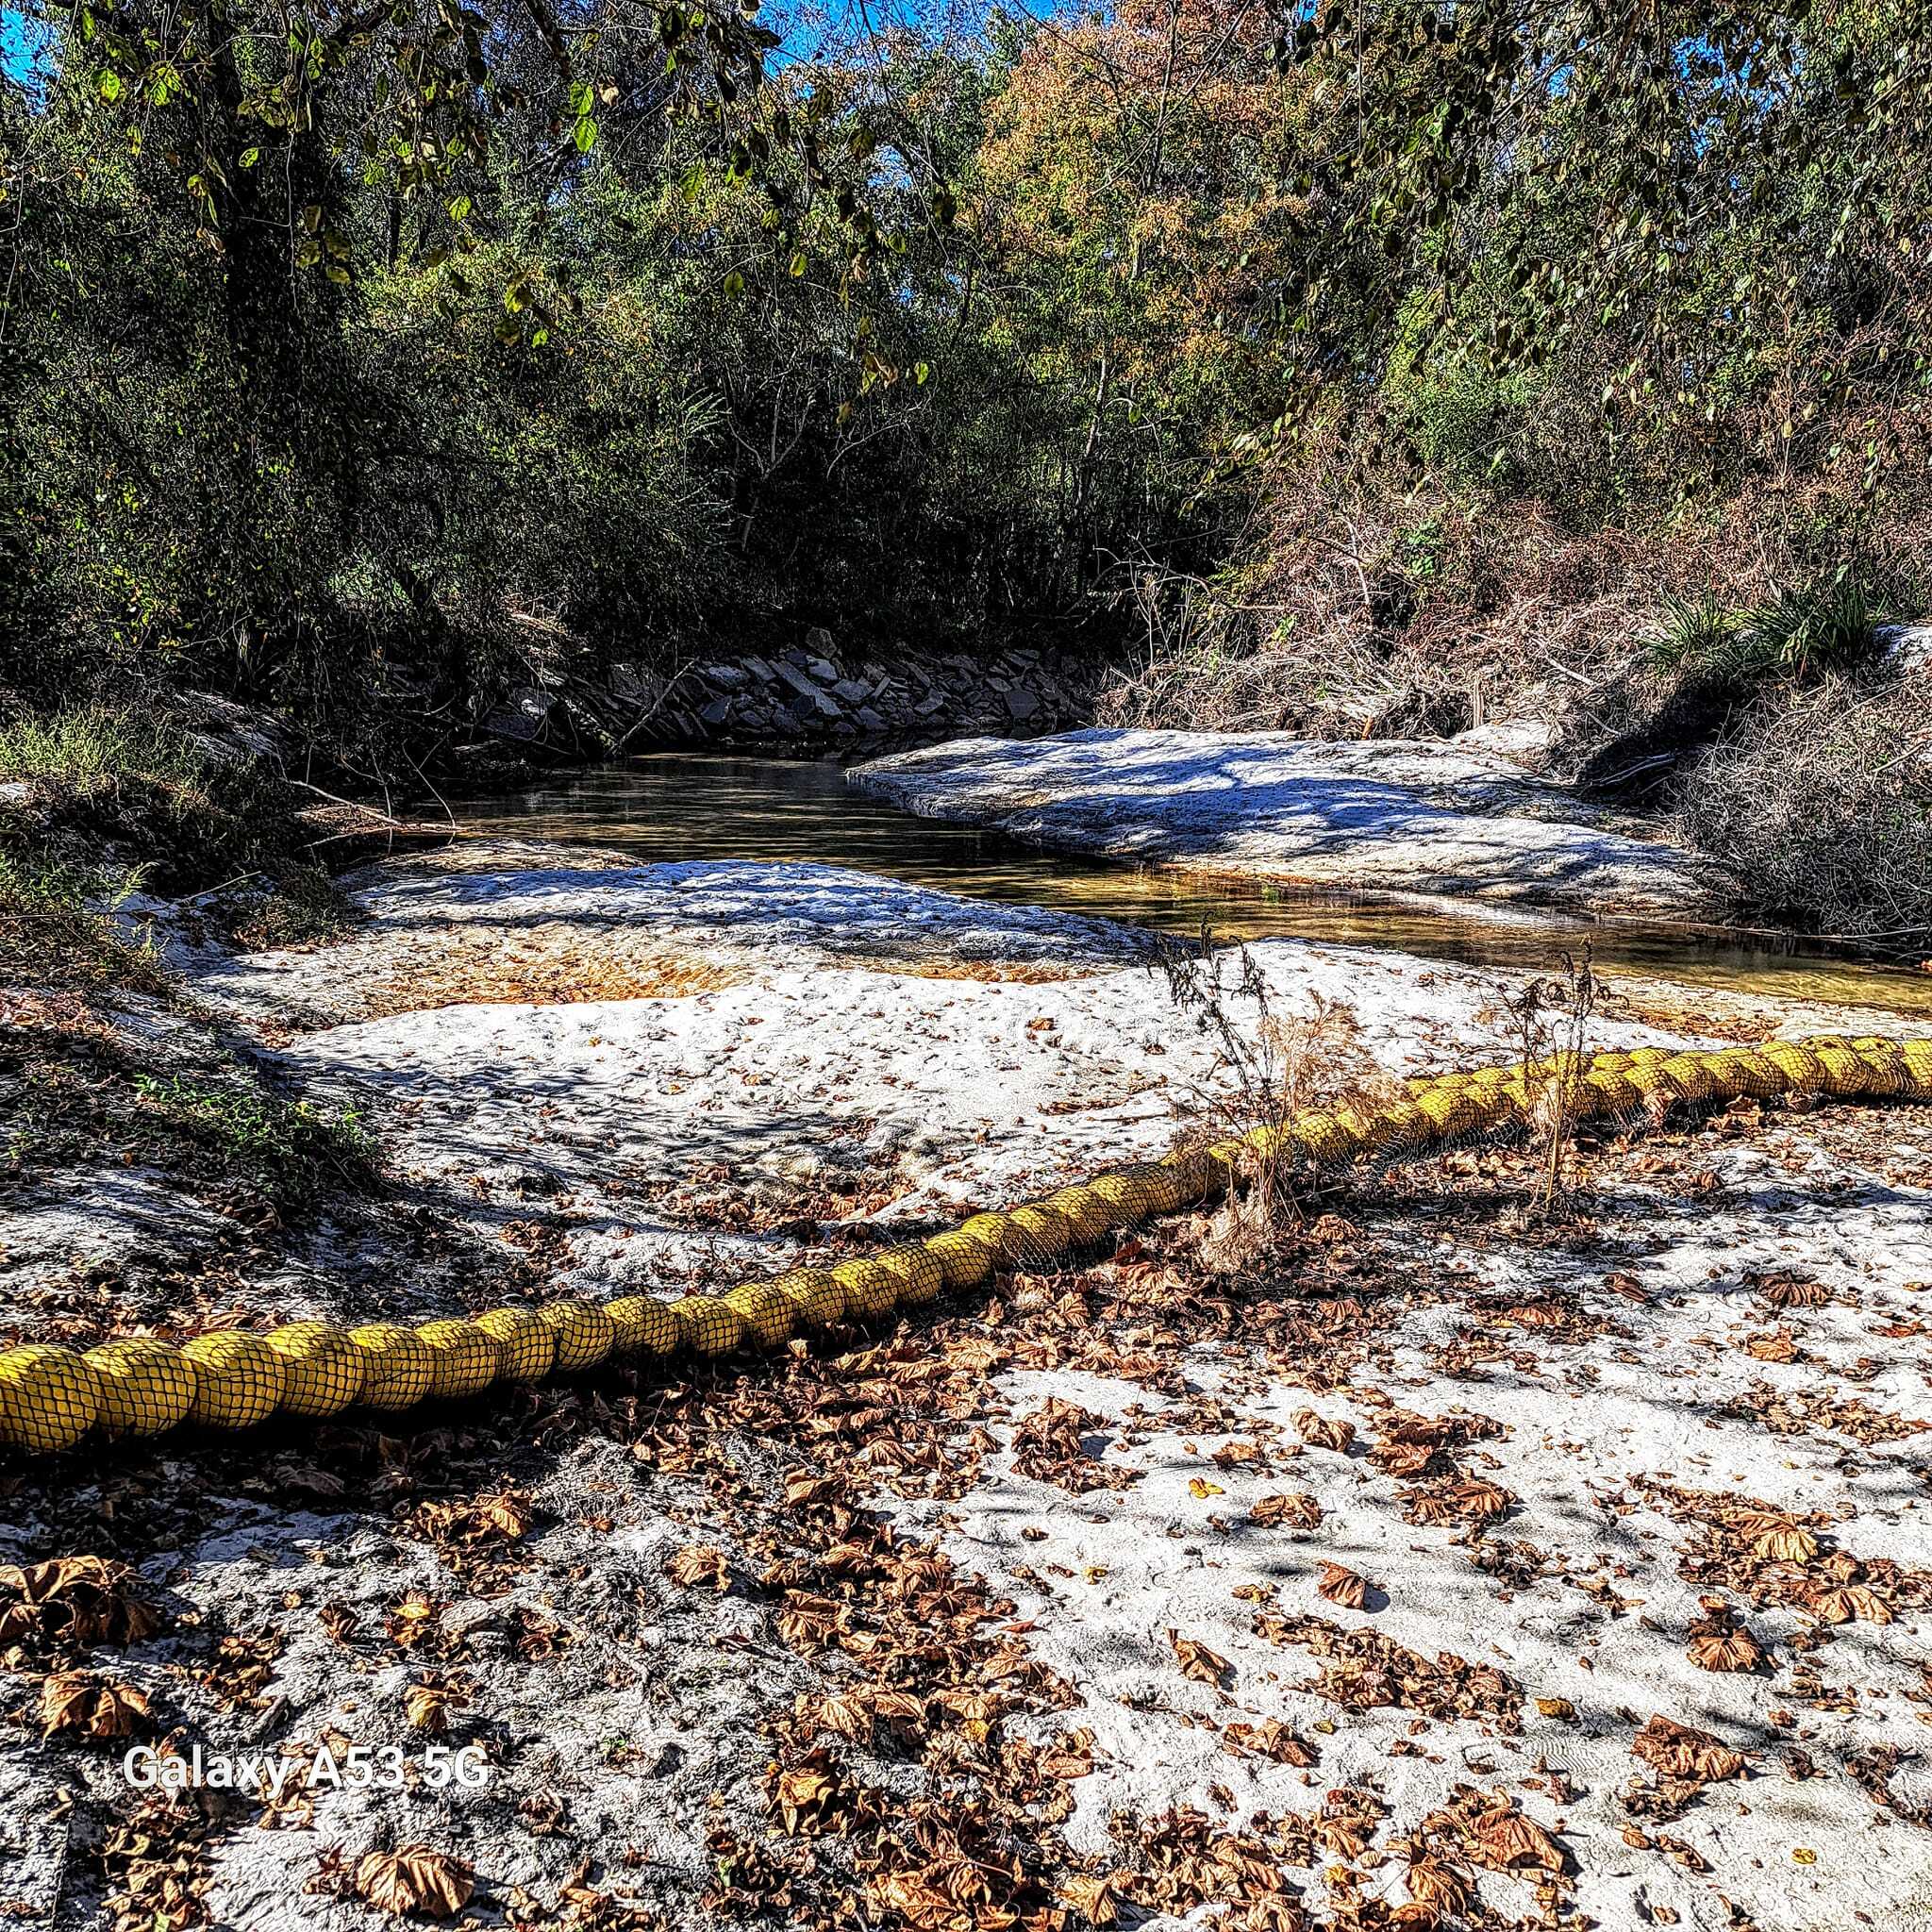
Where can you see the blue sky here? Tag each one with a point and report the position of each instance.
(796, 19)
(18, 38)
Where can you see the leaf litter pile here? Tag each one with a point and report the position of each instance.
(1409, 1580)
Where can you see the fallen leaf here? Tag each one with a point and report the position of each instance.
(1502, 1837)
(93, 1705)
(1268, 1738)
(1683, 1751)
(1435, 1882)
(1784, 1542)
(427, 1707)
(1292, 1511)
(415, 1879)
(1719, 1642)
(1324, 1434)
(1340, 1585)
(1854, 1600)
(1094, 1898)
(1197, 1662)
(699, 1563)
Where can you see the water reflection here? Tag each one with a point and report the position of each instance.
(684, 807)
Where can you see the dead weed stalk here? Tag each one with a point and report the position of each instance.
(1547, 1027)
(1268, 1066)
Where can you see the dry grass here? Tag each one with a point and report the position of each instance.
(476, 970)
(986, 972)
(1821, 811)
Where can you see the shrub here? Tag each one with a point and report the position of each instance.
(1798, 634)
(1693, 632)
(58, 929)
(1820, 810)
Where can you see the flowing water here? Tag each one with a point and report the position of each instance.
(682, 807)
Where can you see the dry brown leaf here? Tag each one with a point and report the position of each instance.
(1197, 1662)
(1854, 1600)
(1719, 1642)
(409, 1622)
(432, 1883)
(1295, 1511)
(68, 1605)
(1094, 1899)
(1502, 1837)
(1683, 1751)
(1270, 1739)
(1324, 1434)
(1340, 1585)
(1796, 1294)
(427, 1707)
(849, 1716)
(699, 1563)
(802, 1793)
(1434, 1881)
(1784, 1542)
(1466, 1500)
(93, 1705)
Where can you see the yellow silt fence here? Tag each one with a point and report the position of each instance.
(51, 1397)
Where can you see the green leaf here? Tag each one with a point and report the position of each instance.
(109, 85)
(460, 208)
(920, 372)
(586, 135)
(734, 285)
(798, 264)
(250, 155)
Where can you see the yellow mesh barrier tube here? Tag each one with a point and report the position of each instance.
(1039, 1233)
(397, 1366)
(141, 1387)
(463, 1359)
(528, 1347)
(964, 1259)
(50, 1397)
(816, 1295)
(643, 1325)
(583, 1332)
(239, 1379)
(769, 1316)
(708, 1324)
(916, 1275)
(322, 1369)
(869, 1290)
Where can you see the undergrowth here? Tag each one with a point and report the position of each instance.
(1798, 634)
(75, 1091)
(119, 799)
(58, 930)
(293, 1150)
(1820, 812)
